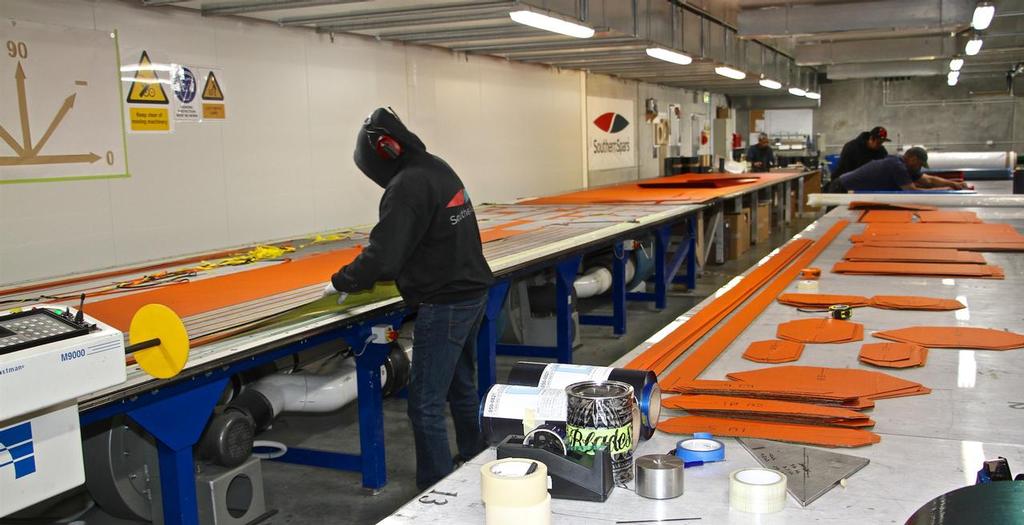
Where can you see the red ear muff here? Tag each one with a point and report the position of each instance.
(387, 147)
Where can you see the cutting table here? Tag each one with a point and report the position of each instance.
(532, 238)
(931, 444)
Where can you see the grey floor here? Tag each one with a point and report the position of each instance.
(314, 496)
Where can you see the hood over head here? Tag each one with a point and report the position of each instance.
(384, 121)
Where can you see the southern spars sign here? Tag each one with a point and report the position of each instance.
(611, 135)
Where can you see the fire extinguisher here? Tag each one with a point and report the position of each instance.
(737, 141)
(703, 138)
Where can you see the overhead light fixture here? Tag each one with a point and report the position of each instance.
(770, 84)
(952, 78)
(973, 46)
(983, 15)
(550, 23)
(812, 95)
(797, 91)
(956, 64)
(729, 72)
(668, 56)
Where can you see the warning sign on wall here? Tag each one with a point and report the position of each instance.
(213, 98)
(149, 106)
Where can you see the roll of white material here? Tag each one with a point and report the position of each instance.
(515, 491)
(757, 490)
(971, 160)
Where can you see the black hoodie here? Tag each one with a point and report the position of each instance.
(426, 238)
(856, 153)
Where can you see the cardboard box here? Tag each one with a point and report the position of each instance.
(764, 221)
(812, 184)
(737, 234)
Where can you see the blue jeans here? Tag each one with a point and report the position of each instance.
(444, 368)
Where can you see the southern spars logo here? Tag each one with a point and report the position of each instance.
(611, 122)
(16, 449)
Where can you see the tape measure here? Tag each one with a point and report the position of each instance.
(702, 447)
(841, 312)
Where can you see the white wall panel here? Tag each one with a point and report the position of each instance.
(281, 164)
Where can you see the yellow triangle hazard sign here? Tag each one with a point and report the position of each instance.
(211, 91)
(147, 87)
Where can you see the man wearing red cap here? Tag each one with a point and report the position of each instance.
(868, 146)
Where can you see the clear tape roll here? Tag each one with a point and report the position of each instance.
(757, 490)
(514, 483)
(538, 513)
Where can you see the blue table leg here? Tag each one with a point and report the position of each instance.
(691, 258)
(487, 338)
(618, 289)
(176, 423)
(371, 411)
(564, 279)
(662, 236)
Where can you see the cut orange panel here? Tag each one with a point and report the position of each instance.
(893, 355)
(205, 295)
(664, 192)
(933, 232)
(505, 231)
(847, 382)
(766, 407)
(976, 246)
(792, 433)
(711, 348)
(816, 300)
(948, 216)
(911, 302)
(660, 355)
(981, 271)
(894, 216)
(820, 394)
(864, 205)
(822, 330)
(966, 337)
(773, 351)
(862, 252)
(709, 181)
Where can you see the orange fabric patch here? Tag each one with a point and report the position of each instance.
(819, 394)
(823, 330)
(909, 302)
(773, 351)
(792, 433)
(849, 382)
(864, 253)
(749, 408)
(894, 355)
(983, 271)
(948, 216)
(955, 337)
(663, 192)
(894, 216)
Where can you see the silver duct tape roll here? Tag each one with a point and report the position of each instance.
(659, 476)
(515, 491)
(757, 490)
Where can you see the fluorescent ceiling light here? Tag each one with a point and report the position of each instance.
(812, 95)
(983, 15)
(550, 23)
(770, 84)
(952, 78)
(956, 64)
(797, 91)
(729, 72)
(668, 56)
(973, 46)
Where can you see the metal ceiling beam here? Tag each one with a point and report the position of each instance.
(451, 35)
(563, 44)
(816, 19)
(407, 22)
(854, 51)
(383, 14)
(246, 7)
(888, 69)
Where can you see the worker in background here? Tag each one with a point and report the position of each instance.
(893, 173)
(868, 146)
(427, 240)
(760, 155)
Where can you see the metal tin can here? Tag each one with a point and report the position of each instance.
(600, 414)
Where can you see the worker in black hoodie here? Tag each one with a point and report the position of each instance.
(427, 240)
(868, 146)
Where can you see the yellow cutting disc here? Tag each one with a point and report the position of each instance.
(156, 321)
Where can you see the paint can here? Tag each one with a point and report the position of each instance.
(599, 414)
(560, 375)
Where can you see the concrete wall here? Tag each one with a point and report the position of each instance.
(922, 111)
(281, 164)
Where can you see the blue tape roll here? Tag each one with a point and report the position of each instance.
(701, 447)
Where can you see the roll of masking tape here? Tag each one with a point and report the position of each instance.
(807, 286)
(757, 490)
(515, 491)
(702, 447)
